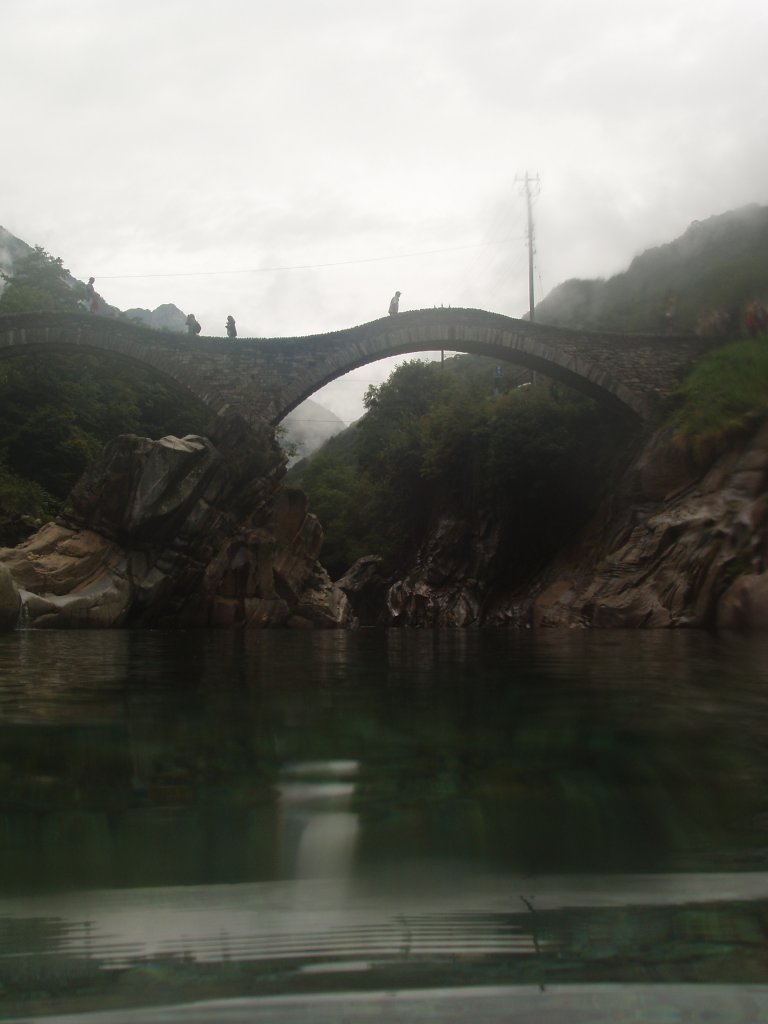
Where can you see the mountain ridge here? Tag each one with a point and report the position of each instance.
(717, 265)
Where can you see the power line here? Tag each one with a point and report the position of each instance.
(307, 266)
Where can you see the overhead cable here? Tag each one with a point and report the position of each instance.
(307, 266)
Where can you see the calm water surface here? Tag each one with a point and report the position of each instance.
(448, 824)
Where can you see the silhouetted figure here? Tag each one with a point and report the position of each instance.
(91, 296)
(750, 321)
(231, 328)
(394, 305)
(193, 327)
(756, 319)
(670, 313)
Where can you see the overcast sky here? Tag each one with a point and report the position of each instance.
(180, 150)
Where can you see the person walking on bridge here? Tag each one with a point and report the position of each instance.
(91, 296)
(193, 327)
(394, 305)
(231, 327)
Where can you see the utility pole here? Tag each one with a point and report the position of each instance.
(527, 182)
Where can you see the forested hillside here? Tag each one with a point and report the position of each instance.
(532, 462)
(57, 410)
(704, 280)
(444, 437)
(454, 437)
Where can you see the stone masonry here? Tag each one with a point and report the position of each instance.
(260, 380)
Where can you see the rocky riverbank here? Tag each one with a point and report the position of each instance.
(174, 533)
(684, 543)
(680, 540)
(177, 533)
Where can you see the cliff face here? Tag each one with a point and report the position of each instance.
(175, 533)
(682, 541)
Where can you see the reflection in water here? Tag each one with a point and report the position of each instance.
(318, 829)
(408, 808)
(147, 759)
(24, 619)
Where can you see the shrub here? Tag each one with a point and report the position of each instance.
(722, 390)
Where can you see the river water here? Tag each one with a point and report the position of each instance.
(389, 825)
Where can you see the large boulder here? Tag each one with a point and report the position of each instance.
(745, 604)
(148, 490)
(449, 583)
(366, 589)
(175, 533)
(10, 601)
(71, 577)
(689, 553)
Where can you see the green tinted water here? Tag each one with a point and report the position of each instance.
(188, 815)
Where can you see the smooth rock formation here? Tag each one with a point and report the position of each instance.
(10, 601)
(173, 533)
(448, 583)
(366, 589)
(681, 542)
(679, 548)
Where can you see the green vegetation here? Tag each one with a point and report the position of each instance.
(40, 282)
(436, 439)
(722, 391)
(702, 280)
(20, 497)
(57, 410)
(441, 439)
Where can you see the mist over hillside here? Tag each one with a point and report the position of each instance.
(304, 430)
(308, 427)
(717, 265)
(15, 252)
(166, 317)
(11, 250)
(711, 272)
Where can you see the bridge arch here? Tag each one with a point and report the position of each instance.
(625, 372)
(122, 342)
(407, 335)
(260, 381)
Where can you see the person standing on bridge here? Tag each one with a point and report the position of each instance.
(231, 327)
(394, 305)
(193, 327)
(91, 296)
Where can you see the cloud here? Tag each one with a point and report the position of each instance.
(192, 136)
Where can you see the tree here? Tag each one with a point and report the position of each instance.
(40, 282)
(57, 410)
(440, 443)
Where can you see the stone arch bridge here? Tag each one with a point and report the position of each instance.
(260, 380)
